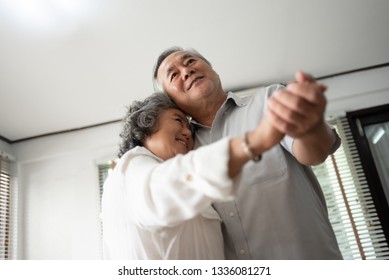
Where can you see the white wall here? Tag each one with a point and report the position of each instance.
(354, 91)
(59, 194)
(58, 217)
(357, 91)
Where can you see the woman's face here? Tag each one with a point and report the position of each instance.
(172, 135)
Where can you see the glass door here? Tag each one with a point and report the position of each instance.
(370, 129)
(378, 138)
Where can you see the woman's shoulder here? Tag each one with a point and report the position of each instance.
(138, 155)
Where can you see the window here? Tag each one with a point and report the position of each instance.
(104, 171)
(350, 206)
(5, 189)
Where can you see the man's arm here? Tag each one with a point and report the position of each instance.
(298, 111)
(314, 147)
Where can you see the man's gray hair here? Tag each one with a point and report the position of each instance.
(141, 119)
(164, 55)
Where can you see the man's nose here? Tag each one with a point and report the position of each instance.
(187, 72)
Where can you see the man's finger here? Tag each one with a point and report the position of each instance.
(313, 93)
(302, 77)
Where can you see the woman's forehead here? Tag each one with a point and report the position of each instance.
(177, 112)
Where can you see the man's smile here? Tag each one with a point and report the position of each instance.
(193, 82)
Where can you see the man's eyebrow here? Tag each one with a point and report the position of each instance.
(186, 55)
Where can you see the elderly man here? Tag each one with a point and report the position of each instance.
(279, 211)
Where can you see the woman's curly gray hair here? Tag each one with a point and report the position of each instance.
(141, 119)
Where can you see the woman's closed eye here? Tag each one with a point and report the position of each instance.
(180, 121)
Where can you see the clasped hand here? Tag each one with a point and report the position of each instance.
(298, 109)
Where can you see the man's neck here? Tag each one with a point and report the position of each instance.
(207, 114)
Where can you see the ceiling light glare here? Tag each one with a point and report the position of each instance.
(44, 14)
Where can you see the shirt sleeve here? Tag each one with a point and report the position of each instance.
(287, 143)
(165, 194)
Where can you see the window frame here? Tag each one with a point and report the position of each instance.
(357, 120)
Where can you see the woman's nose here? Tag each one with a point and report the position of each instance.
(187, 132)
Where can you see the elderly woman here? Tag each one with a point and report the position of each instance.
(157, 201)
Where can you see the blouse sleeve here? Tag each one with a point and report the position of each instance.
(166, 193)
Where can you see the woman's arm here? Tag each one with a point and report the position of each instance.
(167, 193)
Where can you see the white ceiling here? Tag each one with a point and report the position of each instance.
(66, 64)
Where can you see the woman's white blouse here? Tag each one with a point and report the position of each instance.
(154, 209)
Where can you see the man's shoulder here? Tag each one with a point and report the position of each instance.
(261, 90)
(254, 95)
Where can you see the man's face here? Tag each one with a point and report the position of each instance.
(187, 79)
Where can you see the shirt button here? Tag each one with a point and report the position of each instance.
(242, 251)
(189, 178)
(232, 214)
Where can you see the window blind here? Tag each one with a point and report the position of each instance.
(350, 205)
(104, 170)
(5, 189)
